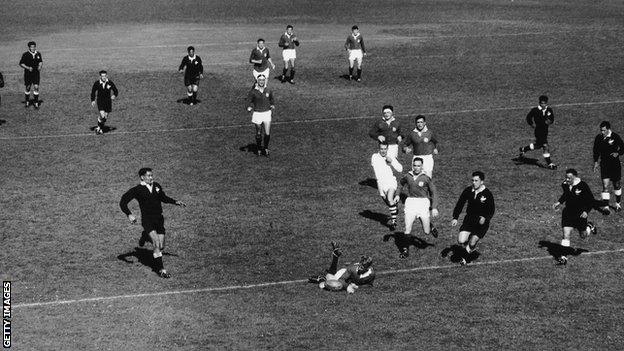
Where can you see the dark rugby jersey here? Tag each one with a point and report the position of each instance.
(355, 43)
(541, 118)
(31, 60)
(193, 66)
(264, 55)
(420, 186)
(391, 131)
(260, 100)
(605, 146)
(480, 204)
(577, 197)
(149, 203)
(287, 42)
(103, 91)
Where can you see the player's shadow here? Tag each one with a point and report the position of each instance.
(345, 76)
(528, 161)
(372, 182)
(375, 216)
(105, 130)
(401, 240)
(556, 250)
(143, 256)
(2, 121)
(456, 252)
(252, 148)
(186, 101)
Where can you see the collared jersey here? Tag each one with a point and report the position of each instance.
(355, 42)
(605, 146)
(480, 203)
(149, 201)
(260, 100)
(541, 118)
(423, 142)
(390, 130)
(287, 42)
(577, 197)
(103, 90)
(193, 66)
(420, 185)
(31, 59)
(383, 169)
(264, 55)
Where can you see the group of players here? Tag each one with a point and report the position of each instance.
(420, 198)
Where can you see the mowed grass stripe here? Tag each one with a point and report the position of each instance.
(311, 120)
(287, 282)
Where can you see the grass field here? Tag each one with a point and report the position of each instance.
(256, 228)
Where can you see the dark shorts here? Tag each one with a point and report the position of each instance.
(611, 169)
(471, 224)
(573, 220)
(153, 224)
(105, 106)
(191, 80)
(541, 137)
(31, 78)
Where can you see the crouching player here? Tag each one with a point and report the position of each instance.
(347, 278)
(383, 164)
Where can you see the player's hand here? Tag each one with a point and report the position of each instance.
(584, 214)
(92, 103)
(381, 138)
(595, 167)
(406, 149)
(30, 69)
(434, 212)
(556, 205)
(481, 220)
(453, 223)
(351, 288)
(435, 151)
(180, 203)
(388, 159)
(113, 97)
(615, 154)
(201, 76)
(249, 109)
(364, 54)
(272, 66)
(132, 218)
(272, 107)
(181, 71)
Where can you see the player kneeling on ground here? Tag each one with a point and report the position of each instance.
(347, 278)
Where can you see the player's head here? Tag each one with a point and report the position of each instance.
(383, 149)
(571, 175)
(32, 46)
(355, 29)
(146, 175)
(387, 111)
(261, 43)
(605, 126)
(543, 100)
(190, 50)
(417, 164)
(261, 80)
(477, 179)
(421, 122)
(289, 29)
(365, 263)
(103, 75)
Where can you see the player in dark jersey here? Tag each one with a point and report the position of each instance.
(539, 118)
(578, 200)
(347, 278)
(356, 52)
(150, 197)
(103, 92)
(193, 71)
(479, 213)
(608, 147)
(31, 62)
(288, 41)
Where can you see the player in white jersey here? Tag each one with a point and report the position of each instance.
(383, 166)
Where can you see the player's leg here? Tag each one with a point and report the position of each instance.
(351, 64)
(565, 244)
(267, 135)
(285, 69)
(605, 196)
(617, 190)
(36, 95)
(462, 240)
(333, 267)
(390, 199)
(189, 94)
(292, 71)
(410, 214)
(157, 253)
(258, 138)
(425, 221)
(527, 148)
(27, 94)
(393, 151)
(194, 88)
(358, 76)
(547, 158)
(101, 120)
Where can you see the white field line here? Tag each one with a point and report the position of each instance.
(313, 120)
(287, 282)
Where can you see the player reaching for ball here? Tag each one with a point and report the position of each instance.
(348, 278)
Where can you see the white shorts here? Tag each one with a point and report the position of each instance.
(355, 55)
(261, 117)
(416, 207)
(336, 276)
(264, 73)
(289, 54)
(427, 164)
(385, 184)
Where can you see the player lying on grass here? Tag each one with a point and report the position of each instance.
(347, 278)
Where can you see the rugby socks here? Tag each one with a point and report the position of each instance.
(189, 96)
(292, 73)
(27, 96)
(194, 98)
(359, 73)
(618, 195)
(350, 71)
(394, 211)
(333, 268)
(605, 197)
(267, 138)
(36, 96)
(547, 157)
(259, 142)
(284, 71)
(158, 263)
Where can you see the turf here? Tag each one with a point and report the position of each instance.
(474, 68)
